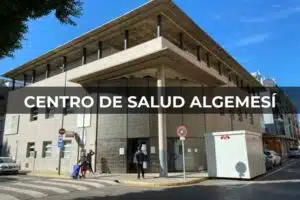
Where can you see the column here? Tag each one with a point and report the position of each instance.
(126, 39)
(198, 53)
(64, 67)
(47, 75)
(25, 79)
(158, 27)
(181, 40)
(84, 56)
(13, 83)
(100, 50)
(33, 76)
(162, 129)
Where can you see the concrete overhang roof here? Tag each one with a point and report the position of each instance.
(170, 10)
(151, 54)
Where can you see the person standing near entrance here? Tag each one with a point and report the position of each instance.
(139, 159)
(89, 160)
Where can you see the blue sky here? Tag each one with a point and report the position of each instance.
(261, 35)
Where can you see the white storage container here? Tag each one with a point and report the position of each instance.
(235, 154)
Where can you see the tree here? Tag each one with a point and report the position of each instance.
(14, 14)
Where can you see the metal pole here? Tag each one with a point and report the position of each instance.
(183, 159)
(62, 123)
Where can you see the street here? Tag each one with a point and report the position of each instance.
(280, 183)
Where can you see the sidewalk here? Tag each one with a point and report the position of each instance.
(153, 179)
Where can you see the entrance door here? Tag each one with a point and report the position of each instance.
(132, 146)
(179, 156)
(175, 155)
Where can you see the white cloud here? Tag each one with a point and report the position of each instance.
(282, 14)
(216, 17)
(253, 39)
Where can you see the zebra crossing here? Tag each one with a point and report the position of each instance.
(34, 188)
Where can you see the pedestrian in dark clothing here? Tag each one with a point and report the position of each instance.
(83, 165)
(139, 159)
(89, 160)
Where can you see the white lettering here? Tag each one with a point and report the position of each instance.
(132, 102)
(102, 100)
(195, 102)
(89, 99)
(215, 104)
(26, 102)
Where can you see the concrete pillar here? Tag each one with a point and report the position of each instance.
(162, 128)
(198, 53)
(64, 67)
(33, 76)
(84, 56)
(13, 83)
(220, 68)
(181, 40)
(47, 75)
(126, 39)
(25, 79)
(100, 50)
(159, 26)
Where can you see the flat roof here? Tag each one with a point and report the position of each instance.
(192, 28)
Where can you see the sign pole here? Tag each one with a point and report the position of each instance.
(182, 133)
(183, 159)
(61, 132)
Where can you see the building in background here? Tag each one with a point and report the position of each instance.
(281, 125)
(5, 85)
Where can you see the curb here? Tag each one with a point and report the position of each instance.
(140, 183)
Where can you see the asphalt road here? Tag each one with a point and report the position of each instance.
(280, 183)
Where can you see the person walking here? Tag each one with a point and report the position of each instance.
(89, 160)
(139, 159)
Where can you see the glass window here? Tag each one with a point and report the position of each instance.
(34, 114)
(47, 149)
(30, 149)
(67, 149)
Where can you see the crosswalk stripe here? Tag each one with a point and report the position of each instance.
(7, 197)
(54, 189)
(77, 187)
(97, 185)
(32, 193)
(104, 181)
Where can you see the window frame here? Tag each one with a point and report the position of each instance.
(46, 146)
(30, 150)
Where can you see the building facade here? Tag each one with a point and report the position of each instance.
(5, 85)
(157, 45)
(281, 128)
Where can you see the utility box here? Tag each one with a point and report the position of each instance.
(235, 154)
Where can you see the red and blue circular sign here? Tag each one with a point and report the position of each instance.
(181, 131)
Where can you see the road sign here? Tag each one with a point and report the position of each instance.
(60, 141)
(61, 131)
(181, 131)
(182, 138)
